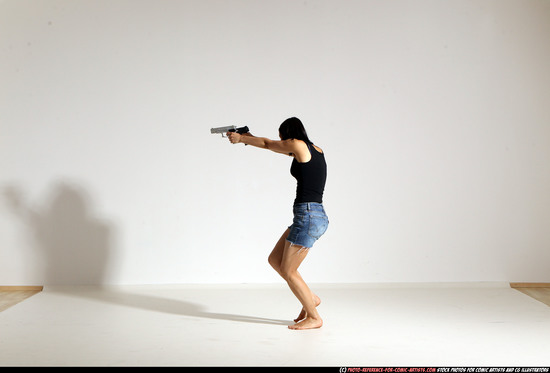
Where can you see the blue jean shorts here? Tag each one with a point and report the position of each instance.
(309, 224)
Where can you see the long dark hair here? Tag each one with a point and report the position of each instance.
(292, 128)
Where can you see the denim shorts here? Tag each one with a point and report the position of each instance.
(309, 224)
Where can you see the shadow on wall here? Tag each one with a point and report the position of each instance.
(73, 245)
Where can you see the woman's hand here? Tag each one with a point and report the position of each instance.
(234, 137)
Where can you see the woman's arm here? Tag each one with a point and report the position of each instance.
(288, 147)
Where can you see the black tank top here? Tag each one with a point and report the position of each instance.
(311, 177)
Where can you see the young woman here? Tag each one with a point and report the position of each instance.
(310, 220)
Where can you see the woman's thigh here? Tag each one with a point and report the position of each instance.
(276, 256)
(293, 256)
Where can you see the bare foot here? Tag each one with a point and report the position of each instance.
(303, 313)
(307, 323)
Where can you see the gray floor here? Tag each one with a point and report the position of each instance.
(246, 325)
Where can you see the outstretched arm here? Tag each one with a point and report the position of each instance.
(288, 147)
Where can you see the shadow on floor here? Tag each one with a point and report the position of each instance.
(165, 305)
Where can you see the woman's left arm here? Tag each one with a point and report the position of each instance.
(283, 146)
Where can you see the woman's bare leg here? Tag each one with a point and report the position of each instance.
(293, 256)
(275, 260)
(276, 256)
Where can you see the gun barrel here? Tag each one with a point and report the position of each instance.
(222, 130)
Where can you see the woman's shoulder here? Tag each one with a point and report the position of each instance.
(318, 148)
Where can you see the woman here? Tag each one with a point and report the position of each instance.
(310, 220)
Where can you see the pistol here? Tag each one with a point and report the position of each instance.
(224, 130)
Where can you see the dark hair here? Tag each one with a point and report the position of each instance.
(292, 128)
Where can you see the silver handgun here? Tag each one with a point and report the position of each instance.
(224, 130)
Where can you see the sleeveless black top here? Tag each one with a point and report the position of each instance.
(311, 177)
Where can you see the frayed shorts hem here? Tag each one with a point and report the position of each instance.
(297, 244)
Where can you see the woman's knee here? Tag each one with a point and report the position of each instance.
(275, 262)
(288, 272)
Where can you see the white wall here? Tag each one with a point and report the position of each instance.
(434, 116)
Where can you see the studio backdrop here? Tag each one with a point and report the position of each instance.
(434, 117)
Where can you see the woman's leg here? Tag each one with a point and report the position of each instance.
(275, 260)
(293, 256)
(276, 256)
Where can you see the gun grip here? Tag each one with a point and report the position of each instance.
(242, 130)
